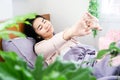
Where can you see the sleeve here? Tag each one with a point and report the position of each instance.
(48, 47)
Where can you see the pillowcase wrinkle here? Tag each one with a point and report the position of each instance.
(23, 48)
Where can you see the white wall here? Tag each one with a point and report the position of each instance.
(6, 10)
(109, 24)
(64, 13)
(26, 6)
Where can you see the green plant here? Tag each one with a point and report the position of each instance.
(94, 10)
(14, 68)
(14, 22)
(113, 50)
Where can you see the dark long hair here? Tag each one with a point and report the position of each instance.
(29, 30)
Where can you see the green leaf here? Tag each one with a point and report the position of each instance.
(54, 75)
(26, 22)
(81, 74)
(26, 75)
(38, 70)
(114, 50)
(113, 44)
(4, 34)
(101, 53)
(6, 77)
(94, 10)
(14, 67)
(15, 20)
(94, 32)
(60, 67)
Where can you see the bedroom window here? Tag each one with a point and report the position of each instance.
(110, 9)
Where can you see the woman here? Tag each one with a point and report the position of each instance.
(49, 44)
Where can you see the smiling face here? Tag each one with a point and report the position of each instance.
(43, 28)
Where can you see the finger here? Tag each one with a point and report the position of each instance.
(83, 24)
(90, 16)
(97, 27)
(88, 29)
(90, 22)
(86, 16)
(88, 32)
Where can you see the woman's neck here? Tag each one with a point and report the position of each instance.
(49, 37)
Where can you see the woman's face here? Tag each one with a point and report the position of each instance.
(43, 28)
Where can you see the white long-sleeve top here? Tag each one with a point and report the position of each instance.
(51, 48)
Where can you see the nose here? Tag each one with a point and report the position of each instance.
(46, 26)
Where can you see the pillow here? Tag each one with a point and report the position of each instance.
(23, 48)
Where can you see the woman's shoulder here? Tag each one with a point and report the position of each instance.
(40, 42)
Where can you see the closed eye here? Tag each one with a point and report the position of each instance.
(39, 27)
(42, 20)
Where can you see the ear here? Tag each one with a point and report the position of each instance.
(38, 37)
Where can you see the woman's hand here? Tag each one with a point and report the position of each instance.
(83, 27)
(92, 22)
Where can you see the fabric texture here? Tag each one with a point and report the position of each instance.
(51, 48)
(104, 71)
(23, 48)
(118, 43)
(81, 53)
